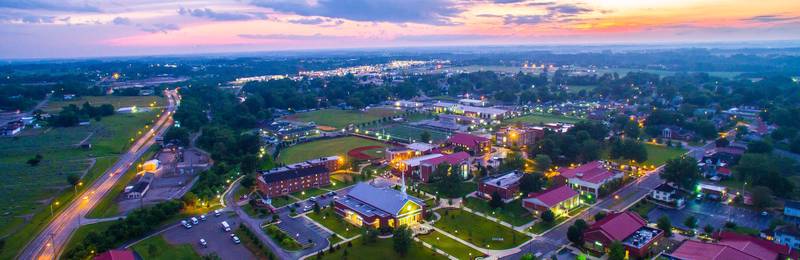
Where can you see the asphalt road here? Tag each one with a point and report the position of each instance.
(218, 241)
(49, 243)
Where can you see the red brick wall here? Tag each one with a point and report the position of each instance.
(293, 185)
(504, 193)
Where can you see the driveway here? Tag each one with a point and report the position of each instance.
(219, 242)
(712, 213)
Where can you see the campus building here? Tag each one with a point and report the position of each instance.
(459, 163)
(731, 246)
(511, 136)
(588, 177)
(506, 185)
(627, 228)
(559, 200)
(379, 207)
(297, 177)
(472, 143)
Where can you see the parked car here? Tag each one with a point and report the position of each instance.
(306, 208)
(195, 221)
(186, 224)
(312, 198)
(225, 226)
(203, 217)
(235, 239)
(217, 212)
(203, 242)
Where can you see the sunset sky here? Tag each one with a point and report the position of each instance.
(65, 28)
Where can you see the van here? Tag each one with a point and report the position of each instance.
(195, 221)
(225, 226)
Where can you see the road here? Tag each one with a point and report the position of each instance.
(549, 242)
(6, 119)
(49, 243)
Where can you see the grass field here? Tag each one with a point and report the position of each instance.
(322, 148)
(541, 226)
(341, 118)
(28, 190)
(157, 247)
(512, 212)
(537, 118)
(382, 249)
(576, 89)
(477, 230)
(329, 219)
(449, 245)
(116, 101)
(658, 155)
(308, 193)
(464, 188)
(411, 133)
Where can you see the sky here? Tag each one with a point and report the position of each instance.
(100, 28)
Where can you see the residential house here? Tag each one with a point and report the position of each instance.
(118, 254)
(627, 228)
(667, 195)
(12, 128)
(379, 207)
(677, 133)
(560, 200)
(505, 185)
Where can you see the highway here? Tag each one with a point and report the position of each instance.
(50, 242)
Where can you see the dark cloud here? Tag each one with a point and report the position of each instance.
(313, 21)
(52, 5)
(558, 13)
(161, 27)
(291, 37)
(437, 12)
(220, 16)
(446, 37)
(770, 18)
(27, 18)
(508, 1)
(568, 9)
(121, 21)
(525, 19)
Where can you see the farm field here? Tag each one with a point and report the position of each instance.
(338, 118)
(477, 230)
(116, 101)
(536, 118)
(321, 148)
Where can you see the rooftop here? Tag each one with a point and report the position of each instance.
(286, 173)
(467, 139)
(618, 226)
(416, 161)
(422, 147)
(503, 181)
(641, 237)
(594, 172)
(451, 159)
(374, 200)
(552, 197)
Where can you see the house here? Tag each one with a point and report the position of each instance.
(12, 128)
(559, 200)
(292, 178)
(677, 133)
(627, 228)
(791, 211)
(518, 136)
(458, 161)
(667, 195)
(471, 143)
(730, 246)
(788, 235)
(141, 187)
(588, 177)
(379, 207)
(118, 254)
(506, 185)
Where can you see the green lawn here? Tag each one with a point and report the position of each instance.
(658, 155)
(157, 247)
(449, 245)
(116, 101)
(27, 191)
(281, 201)
(411, 133)
(464, 188)
(541, 226)
(341, 118)
(477, 230)
(536, 118)
(83, 231)
(382, 249)
(329, 219)
(322, 148)
(643, 207)
(512, 212)
(107, 206)
(310, 193)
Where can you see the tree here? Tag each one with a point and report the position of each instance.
(248, 182)
(35, 160)
(616, 251)
(425, 137)
(548, 216)
(249, 164)
(528, 256)
(496, 201)
(575, 234)
(73, 179)
(708, 229)
(759, 147)
(402, 240)
(682, 171)
(665, 225)
(543, 162)
(600, 215)
(179, 135)
(762, 197)
(531, 182)
(690, 222)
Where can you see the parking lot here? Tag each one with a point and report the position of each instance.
(219, 242)
(712, 213)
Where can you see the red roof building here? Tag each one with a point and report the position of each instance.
(506, 186)
(625, 227)
(588, 177)
(733, 246)
(473, 143)
(459, 161)
(114, 254)
(559, 200)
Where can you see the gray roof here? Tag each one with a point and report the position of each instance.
(384, 199)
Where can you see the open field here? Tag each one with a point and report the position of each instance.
(383, 249)
(512, 212)
(664, 73)
(116, 101)
(477, 230)
(411, 133)
(537, 118)
(329, 219)
(576, 89)
(157, 248)
(658, 155)
(321, 148)
(463, 188)
(449, 245)
(340, 118)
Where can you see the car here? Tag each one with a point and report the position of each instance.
(764, 213)
(186, 224)
(312, 198)
(295, 205)
(225, 226)
(335, 197)
(203, 217)
(332, 193)
(235, 239)
(217, 212)
(195, 221)
(306, 208)
(203, 242)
